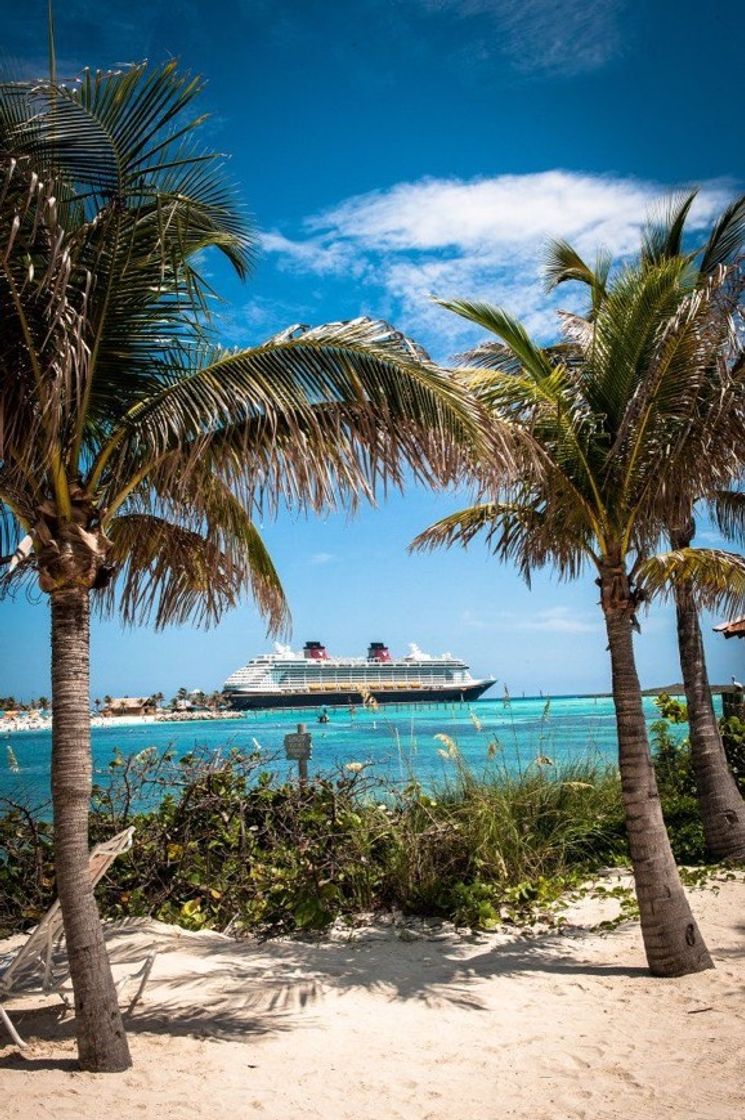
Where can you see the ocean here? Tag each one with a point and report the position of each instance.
(395, 743)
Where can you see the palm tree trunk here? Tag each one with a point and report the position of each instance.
(102, 1042)
(672, 940)
(722, 807)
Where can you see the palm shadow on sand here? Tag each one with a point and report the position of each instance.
(237, 990)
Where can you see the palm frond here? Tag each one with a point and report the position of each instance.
(662, 235)
(169, 573)
(458, 528)
(632, 418)
(627, 334)
(716, 577)
(670, 391)
(523, 531)
(360, 381)
(562, 264)
(512, 333)
(118, 135)
(727, 239)
(728, 507)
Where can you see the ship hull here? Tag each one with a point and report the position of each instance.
(351, 697)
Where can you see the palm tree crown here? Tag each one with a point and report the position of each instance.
(119, 413)
(610, 413)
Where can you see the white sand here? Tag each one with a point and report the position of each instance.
(499, 1026)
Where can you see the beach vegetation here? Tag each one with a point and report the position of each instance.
(226, 842)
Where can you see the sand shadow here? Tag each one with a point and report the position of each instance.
(239, 990)
(18, 1061)
(267, 987)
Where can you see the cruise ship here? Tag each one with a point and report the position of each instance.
(313, 678)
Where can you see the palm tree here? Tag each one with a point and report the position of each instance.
(136, 454)
(607, 412)
(721, 804)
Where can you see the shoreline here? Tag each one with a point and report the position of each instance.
(44, 723)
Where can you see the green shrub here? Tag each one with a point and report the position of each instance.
(26, 871)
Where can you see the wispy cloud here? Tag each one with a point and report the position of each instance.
(318, 558)
(481, 238)
(318, 255)
(551, 620)
(560, 620)
(542, 37)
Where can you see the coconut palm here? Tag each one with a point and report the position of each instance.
(607, 411)
(721, 804)
(137, 456)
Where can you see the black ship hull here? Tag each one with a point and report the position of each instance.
(350, 697)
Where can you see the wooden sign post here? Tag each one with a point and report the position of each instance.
(298, 749)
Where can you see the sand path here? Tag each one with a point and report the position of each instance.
(548, 1028)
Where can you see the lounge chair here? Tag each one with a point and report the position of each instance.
(37, 952)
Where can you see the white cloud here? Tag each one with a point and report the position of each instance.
(481, 238)
(313, 255)
(506, 210)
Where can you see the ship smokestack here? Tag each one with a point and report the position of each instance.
(378, 651)
(315, 651)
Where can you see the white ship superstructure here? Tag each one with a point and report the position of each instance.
(288, 679)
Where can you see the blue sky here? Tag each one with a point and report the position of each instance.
(388, 151)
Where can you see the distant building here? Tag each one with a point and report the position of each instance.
(128, 706)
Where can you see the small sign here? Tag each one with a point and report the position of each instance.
(297, 746)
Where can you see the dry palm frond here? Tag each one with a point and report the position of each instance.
(716, 577)
(170, 573)
(728, 507)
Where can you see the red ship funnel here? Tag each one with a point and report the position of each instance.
(315, 651)
(378, 651)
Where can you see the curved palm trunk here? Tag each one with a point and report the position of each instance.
(102, 1042)
(672, 940)
(722, 807)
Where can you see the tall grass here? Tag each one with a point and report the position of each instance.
(477, 844)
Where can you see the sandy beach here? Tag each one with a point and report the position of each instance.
(33, 721)
(407, 1020)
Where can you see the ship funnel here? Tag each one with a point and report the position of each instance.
(315, 651)
(378, 651)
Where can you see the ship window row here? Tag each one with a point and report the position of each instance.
(363, 675)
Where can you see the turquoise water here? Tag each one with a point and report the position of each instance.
(396, 742)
